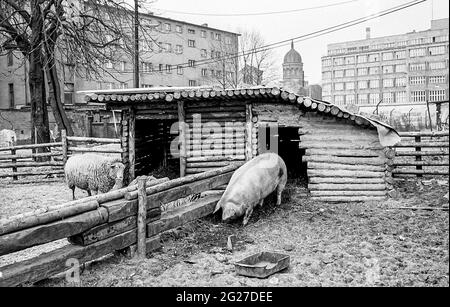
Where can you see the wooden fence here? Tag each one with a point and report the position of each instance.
(48, 159)
(422, 153)
(99, 225)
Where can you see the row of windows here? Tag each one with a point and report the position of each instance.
(390, 97)
(399, 44)
(386, 69)
(167, 27)
(385, 56)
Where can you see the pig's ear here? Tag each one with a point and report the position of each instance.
(217, 207)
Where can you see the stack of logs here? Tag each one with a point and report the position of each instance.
(215, 135)
(344, 162)
(101, 224)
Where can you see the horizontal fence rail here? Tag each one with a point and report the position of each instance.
(102, 224)
(422, 153)
(48, 159)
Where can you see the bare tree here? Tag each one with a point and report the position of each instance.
(50, 34)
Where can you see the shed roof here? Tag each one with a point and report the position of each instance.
(128, 97)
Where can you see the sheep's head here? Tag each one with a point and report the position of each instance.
(116, 170)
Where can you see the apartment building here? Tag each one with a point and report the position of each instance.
(178, 54)
(392, 71)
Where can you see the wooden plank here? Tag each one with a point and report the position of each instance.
(343, 152)
(340, 145)
(345, 180)
(349, 199)
(131, 144)
(347, 187)
(31, 164)
(421, 153)
(346, 160)
(424, 133)
(54, 262)
(93, 140)
(92, 149)
(208, 164)
(215, 158)
(348, 193)
(345, 173)
(339, 166)
(30, 156)
(182, 138)
(373, 139)
(141, 217)
(420, 172)
(182, 215)
(42, 234)
(32, 173)
(31, 146)
(422, 144)
(421, 163)
(248, 132)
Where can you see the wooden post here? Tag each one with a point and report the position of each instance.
(105, 126)
(131, 143)
(141, 217)
(90, 119)
(248, 132)
(418, 157)
(182, 137)
(14, 168)
(64, 145)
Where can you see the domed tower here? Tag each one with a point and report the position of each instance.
(293, 75)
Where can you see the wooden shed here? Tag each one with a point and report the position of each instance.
(342, 156)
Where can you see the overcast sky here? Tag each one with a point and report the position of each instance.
(277, 27)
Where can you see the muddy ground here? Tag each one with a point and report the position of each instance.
(369, 244)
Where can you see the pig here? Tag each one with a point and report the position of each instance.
(251, 184)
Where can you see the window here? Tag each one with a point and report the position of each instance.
(363, 99)
(218, 54)
(417, 67)
(339, 99)
(203, 33)
(417, 80)
(145, 85)
(437, 95)
(436, 79)
(436, 50)
(389, 69)
(227, 40)
(179, 69)
(438, 65)
(417, 52)
(12, 102)
(178, 29)
(326, 75)
(326, 88)
(350, 60)
(338, 61)
(191, 31)
(192, 83)
(339, 86)
(374, 98)
(326, 62)
(10, 58)
(349, 73)
(147, 67)
(362, 71)
(400, 82)
(217, 37)
(417, 96)
(387, 56)
(338, 73)
(167, 27)
(123, 65)
(219, 74)
(400, 68)
(109, 65)
(388, 97)
(146, 46)
(400, 97)
(375, 83)
(230, 75)
(168, 68)
(204, 72)
(191, 43)
(388, 82)
(374, 70)
(362, 84)
(362, 59)
(399, 55)
(168, 47)
(123, 85)
(191, 63)
(178, 49)
(350, 86)
(350, 99)
(374, 57)
(203, 53)
(161, 67)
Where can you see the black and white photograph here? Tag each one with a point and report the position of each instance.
(224, 150)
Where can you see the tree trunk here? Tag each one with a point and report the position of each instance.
(39, 116)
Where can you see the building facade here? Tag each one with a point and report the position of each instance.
(398, 72)
(178, 54)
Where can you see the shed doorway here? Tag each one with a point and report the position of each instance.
(153, 155)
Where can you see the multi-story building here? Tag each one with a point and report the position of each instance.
(178, 54)
(396, 71)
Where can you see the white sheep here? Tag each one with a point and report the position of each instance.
(93, 173)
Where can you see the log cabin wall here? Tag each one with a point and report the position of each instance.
(221, 137)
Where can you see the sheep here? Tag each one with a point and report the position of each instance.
(93, 173)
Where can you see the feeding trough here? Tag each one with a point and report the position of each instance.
(262, 265)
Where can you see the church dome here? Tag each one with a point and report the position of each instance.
(292, 56)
